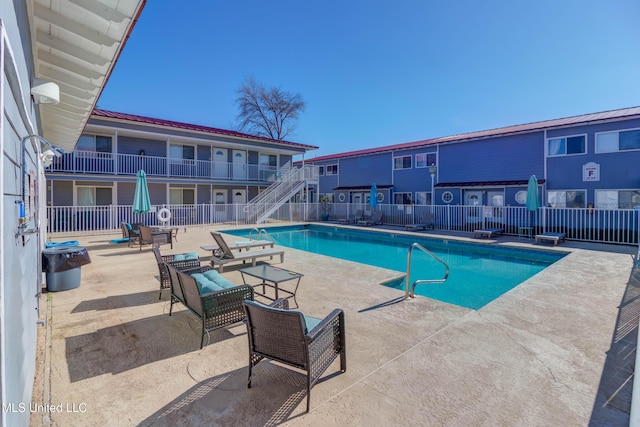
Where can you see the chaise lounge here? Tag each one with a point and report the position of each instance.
(552, 237)
(225, 255)
(488, 232)
(427, 222)
(376, 219)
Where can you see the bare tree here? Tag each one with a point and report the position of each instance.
(268, 112)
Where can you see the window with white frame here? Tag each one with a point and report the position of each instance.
(423, 197)
(610, 142)
(424, 160)
(182, 196)
(329, 196)
(402, 162)
(567, 198)
(567, 145)
(402, 198)
(331, 170)
(321, 170)
(94, 196)
(617, 199)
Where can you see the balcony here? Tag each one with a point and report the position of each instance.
(91, 162)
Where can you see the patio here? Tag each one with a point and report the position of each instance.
(556, 350)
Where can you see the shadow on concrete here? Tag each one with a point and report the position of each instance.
(119, 301)
(129, 345)
(225, 399)
(613, 401)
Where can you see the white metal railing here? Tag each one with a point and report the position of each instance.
(130, 164)
(592, 225)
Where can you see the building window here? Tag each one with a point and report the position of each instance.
(182, 196)
(328, 195)
(402, 162)
(566, 145)
(342, 197)
(321, 170)
(610, 142)
(521, 197)
(96, 143)
(424, 160)
(617, 199)
(423, 197)
(182, 152)
(567, 199)
(94, 196)
(402, 198)
(332, 170)
(447, 197)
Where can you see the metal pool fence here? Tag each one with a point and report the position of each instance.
(588, 224)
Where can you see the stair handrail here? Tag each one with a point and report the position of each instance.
(411, 294)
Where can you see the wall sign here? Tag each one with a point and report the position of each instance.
(591, 172)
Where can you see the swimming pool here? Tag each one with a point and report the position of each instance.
(479, 273)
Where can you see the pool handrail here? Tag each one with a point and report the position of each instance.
(261, 233)
(411, 294)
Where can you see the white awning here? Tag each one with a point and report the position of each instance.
(75, 45)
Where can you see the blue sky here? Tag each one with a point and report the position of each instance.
(376, 73)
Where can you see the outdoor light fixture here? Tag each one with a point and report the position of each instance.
(45, 92)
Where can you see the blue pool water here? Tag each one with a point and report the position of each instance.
(479, 273)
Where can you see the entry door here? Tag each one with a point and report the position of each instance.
(239, 196)
(473, 199)
(220, 205)
(220, 163)
(495, 199)
(239, 164)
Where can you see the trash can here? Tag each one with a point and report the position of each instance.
(61, 262)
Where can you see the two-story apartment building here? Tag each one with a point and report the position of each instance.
(185, 164)
(583, 161)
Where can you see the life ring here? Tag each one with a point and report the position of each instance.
(164, 215)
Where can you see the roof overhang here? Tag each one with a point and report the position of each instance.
(362, 188)
(76, 44)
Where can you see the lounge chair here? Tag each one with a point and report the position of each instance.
(180, 262)
(213, 299)
(130, 233)
(148, 236)
(359, 215)
(239, 246)
(376, 219)
(488, 232)
(553, 237)
(290, 337)
(427, 222)
(226, 255)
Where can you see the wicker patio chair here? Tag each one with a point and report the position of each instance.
(218, 309)
(178, 261)
(130, 233)
(282, 335)
(154, 238)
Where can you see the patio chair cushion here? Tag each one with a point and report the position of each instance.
(188, 255)
(129, 227)
(211, 281)
(308, 322)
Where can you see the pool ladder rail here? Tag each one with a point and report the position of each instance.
(411, 293)
(261, 234)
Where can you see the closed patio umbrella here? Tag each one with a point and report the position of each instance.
(533, 202)
(141, 202)
(373, 197)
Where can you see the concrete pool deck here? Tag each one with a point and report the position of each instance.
(558, 349)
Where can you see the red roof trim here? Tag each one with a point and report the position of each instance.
(509, 130)
(187, 126)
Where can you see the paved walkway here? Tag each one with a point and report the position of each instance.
(557, 350)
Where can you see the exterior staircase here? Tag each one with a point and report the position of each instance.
(280, 192)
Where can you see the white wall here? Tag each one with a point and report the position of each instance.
(20, 277)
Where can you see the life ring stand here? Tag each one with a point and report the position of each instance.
(164, 215)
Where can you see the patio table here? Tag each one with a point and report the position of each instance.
(271, 278)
